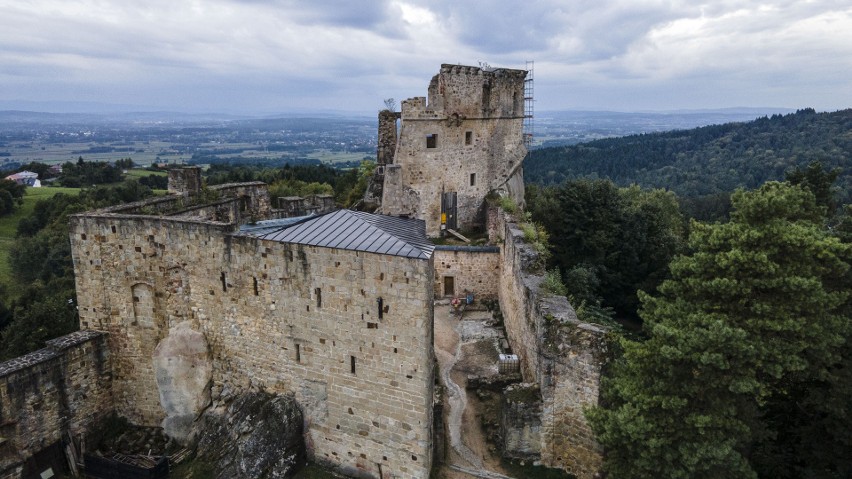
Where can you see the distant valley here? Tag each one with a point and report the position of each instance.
(342, 140)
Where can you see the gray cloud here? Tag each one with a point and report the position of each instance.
(254, 55)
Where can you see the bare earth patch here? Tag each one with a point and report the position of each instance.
(465, 348)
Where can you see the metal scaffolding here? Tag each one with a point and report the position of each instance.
(529, 105)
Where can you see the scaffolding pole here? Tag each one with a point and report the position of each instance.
(529, 105)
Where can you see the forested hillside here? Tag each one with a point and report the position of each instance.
(709, 160)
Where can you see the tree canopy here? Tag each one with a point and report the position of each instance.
(708, 161)
(746, 369)
(608, 242)
(40, 259)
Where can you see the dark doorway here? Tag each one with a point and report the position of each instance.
(448, 210)
(449, 286)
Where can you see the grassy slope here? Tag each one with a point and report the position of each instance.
(138, 173)
(9, 224)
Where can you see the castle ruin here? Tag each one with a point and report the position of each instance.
(455, 149)
(189, 300)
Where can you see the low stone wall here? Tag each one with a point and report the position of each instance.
(558, 352)
(469, 268)
(64, 388)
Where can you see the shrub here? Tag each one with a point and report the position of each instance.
(508, 205)
(553, 283)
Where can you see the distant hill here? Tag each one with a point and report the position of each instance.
(708, 160)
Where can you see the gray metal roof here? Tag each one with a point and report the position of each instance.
(266, 226)
(356, 231)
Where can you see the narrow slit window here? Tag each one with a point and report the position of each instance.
(473, 179)
(468, 137)
(432, 140)
(255, 286)
(381, 303)
(298, 353)
(318, 293)
(224, 282)
(352, 364)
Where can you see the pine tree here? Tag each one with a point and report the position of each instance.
(750, 321)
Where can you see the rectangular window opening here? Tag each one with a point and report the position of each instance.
(381, 307)
(318, 293)
(255, 286)
(473, 179)
(352, 364)
(372, 325)
(468, 137)
(224, 282)
(298, 353)
(449, 286)
(432, 140)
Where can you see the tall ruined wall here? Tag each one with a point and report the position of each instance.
(387, 137)
(286, 318)
(559, 353)
(65, 387)
(185, 180)
(470, 268)
(468, 139)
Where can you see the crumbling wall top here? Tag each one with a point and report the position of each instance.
(185, 180)
(477, 92)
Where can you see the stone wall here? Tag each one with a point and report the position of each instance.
(348, 333)
(559, 353)
(470, 268)
(467, 140)
(290, 206)
(63, 388)
(520, 422)
(387, 137)
(185, 180)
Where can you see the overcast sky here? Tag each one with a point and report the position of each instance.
(255, 56)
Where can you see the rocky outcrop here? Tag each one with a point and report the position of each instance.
(257, 436)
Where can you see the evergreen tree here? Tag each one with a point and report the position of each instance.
(752, 325)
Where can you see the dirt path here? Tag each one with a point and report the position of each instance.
(463, 347)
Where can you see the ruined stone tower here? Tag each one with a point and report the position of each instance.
(465, 142)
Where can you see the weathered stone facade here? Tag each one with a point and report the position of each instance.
(185, 180)
(562, 355)
(466, 142)
(461, 269)
(199, 310)
(62, 389)
(348, 333)
(520, 421)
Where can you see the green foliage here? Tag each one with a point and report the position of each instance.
(592, 312)
(43, 303)
(746, 369)
(508, 205)
(703, 162)
(552, 283)
(365, 173)
(284, 188)
(89, 173)
(124, 163)
(300, 180)
(11, 195)
(530, 233)
(609, 242)
(35, 321)
(818, 181)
